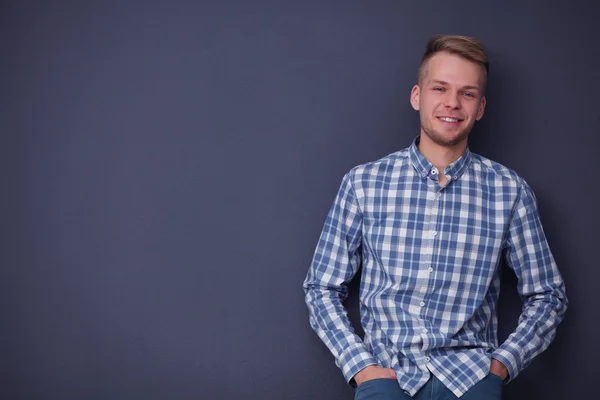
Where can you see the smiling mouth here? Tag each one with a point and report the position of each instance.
(450, 120)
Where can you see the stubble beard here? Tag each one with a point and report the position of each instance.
(446, 140)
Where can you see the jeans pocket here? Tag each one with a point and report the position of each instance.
(496, 377)
(378, 388)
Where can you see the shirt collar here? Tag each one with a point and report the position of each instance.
(424, 168)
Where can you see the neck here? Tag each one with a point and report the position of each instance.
(440, 156)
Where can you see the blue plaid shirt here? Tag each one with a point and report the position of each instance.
(430, 278)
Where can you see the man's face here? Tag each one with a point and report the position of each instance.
(449, 98)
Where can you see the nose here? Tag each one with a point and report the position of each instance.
(452, 100)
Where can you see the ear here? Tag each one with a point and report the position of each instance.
(481, 109)
(414, 97)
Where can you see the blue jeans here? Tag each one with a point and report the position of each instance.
(489, 388)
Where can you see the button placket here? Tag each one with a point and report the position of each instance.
(425, 276)
(424, 273)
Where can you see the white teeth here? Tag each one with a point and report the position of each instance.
(446, 119)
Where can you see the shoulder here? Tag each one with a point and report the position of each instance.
(493, 170)
(384, 168)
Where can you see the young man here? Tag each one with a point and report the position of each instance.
(429, 225)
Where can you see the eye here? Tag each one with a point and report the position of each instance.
(439, 89)
(469, 94)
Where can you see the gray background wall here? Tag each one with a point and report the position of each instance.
(166, 168)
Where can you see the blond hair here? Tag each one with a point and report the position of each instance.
(469, 48)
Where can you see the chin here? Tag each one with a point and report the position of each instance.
(447, 140)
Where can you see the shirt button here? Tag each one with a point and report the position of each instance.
(427, 359)
(424, 174)
(424, 330)
(433, 233)
(433, 171)
(422, 304)
(455, 177)
(430, 269)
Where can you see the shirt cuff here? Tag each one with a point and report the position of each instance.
(354, 359)
(509, 356)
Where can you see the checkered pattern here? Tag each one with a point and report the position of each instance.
(430, 279)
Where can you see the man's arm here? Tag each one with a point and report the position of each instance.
(335, 262)
(540, 285)
(497, 368)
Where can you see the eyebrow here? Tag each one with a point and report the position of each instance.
(468, 87)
